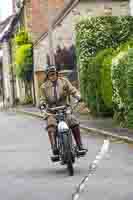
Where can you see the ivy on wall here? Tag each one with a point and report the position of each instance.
(23, 55)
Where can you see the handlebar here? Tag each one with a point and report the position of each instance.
(57, 108)
(50, 111)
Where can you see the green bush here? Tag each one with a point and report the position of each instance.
(119, 82)
(95, 38)
(28, 100)
(103, 60)
(96, 86)
(88, 91)
(23, 55)
(130, 89)
(122, 80)
(24, 62)
(21, 38)
(96, 33)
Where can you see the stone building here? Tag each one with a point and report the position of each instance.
(31, 14)
(63, 15)
(34, 17)
(6, 29)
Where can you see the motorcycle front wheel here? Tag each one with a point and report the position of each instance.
(69, 157)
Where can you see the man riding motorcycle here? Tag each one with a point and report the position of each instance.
(55, 91)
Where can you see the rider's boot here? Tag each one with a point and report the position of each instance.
(52, 138)
(77, 137)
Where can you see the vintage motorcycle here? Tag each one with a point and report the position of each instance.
(67, 150)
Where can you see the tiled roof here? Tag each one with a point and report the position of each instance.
(7, 26)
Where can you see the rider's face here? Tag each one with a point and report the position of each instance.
(52, 76)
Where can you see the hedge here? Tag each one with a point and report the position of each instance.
(119, 82)
(106, 83)
(130, 89)
(122, 80)
(97, 41)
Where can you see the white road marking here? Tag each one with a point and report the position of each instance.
(92, 168)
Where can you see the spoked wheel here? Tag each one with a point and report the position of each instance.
(69, 158)
(70, 165)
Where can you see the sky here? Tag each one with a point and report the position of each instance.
(5, 9)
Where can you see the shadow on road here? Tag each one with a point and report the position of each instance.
(41, 173)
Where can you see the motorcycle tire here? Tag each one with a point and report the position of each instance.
(68, 153)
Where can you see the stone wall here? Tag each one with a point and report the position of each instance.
(39, 15)
(36, 16)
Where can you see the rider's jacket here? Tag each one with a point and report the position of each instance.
(64, 90)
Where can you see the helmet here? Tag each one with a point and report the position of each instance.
(51, 69)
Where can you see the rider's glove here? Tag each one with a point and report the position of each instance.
(78, 98)
(42, 106)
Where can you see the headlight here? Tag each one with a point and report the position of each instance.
(63, 127)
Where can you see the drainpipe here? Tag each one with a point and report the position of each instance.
(131, 7)
(2, 82)
(12, 78)
(50, 37)
(33, 81)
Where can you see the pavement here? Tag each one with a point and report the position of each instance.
(102, 126)
(27, 173)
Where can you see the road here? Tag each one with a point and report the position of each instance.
(26, 172)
